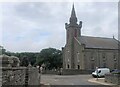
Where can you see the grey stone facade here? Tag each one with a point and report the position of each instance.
(13, 75)
(20, 76)
(113, 78)
(87, 53)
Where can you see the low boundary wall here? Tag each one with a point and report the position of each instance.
(68, 72)
(75, 71)
(112, 78)
(22, 76)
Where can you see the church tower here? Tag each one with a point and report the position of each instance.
(73, 30)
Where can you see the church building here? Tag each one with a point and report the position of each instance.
(87, 52)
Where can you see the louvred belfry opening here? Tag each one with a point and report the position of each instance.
(75, 35)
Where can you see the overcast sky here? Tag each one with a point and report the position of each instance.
(32, 26)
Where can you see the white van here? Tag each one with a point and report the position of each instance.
(100, 72)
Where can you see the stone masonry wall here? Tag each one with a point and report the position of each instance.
(112, 78)
(20, 76)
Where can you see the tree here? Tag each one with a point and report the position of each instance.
(51, 57)
(30, 57)
(2, 50)
(24, 61)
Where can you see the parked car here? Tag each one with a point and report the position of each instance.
(116, 71)
(100, 72)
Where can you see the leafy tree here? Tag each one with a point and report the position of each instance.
(51, 57)
(24, 61)
(30, 57)
(2, 50)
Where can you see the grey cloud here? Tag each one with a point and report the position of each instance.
(98, 17)
(42, 24)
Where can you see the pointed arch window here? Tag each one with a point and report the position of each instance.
(104, 65)
(78, 54)
(78, 66)
(104, 56)
(92, 66)
(114, 57)
(115, 65)
(92, 56)
(68, 66)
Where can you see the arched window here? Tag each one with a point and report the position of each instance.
(68, 66)
(104, 56)
(92, 66)
(115, 65)
(92, 56)
(78, 66)
(104, 65)
(114, 57)
(75, 33)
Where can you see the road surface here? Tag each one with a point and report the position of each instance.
(67, 80)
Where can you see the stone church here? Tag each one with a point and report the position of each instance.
(87, 52)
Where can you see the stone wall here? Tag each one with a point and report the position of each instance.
(13, 76)
(68, 72)
(52, 72)
(22, 76)
(113, 78)
(33, 76)
(75, 71)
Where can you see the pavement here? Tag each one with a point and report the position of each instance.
(74, 80)
(99, 81)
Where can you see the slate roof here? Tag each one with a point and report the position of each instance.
(99, 42)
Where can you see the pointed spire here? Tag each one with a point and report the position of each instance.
(73, 18)
(73, 11)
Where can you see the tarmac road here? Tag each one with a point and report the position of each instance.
(67, 80)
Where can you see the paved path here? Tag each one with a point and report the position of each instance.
(67, 80)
